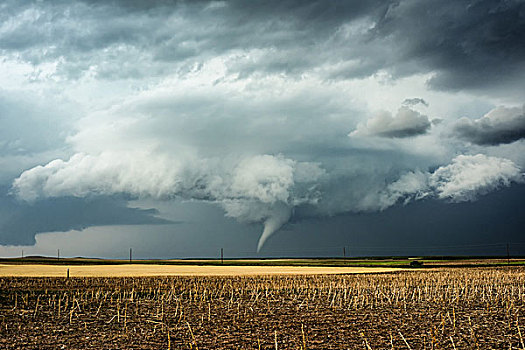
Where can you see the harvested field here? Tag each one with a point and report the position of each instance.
(138, 270)
(459, 308)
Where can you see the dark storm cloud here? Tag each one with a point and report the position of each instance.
(20, 222)
(415, 101)
(428, 227)
(501, 125)
(469, 43)
(466, 44)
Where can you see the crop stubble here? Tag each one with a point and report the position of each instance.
(442, 309)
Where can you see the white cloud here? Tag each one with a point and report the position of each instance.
(464, 179)
(410, 186)
(468, 177)
(405, 123)
(500, 125)
(108, 173)
(265, 178)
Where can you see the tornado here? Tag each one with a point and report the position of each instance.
(279, 216)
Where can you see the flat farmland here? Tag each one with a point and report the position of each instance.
(462, 308)
(147, 270)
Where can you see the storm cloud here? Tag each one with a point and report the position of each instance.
(454, 40)
(258, 189)
(20, 222)
(272, 112)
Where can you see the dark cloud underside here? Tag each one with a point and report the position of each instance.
(20, 222)
(430, 227)
(499, 126)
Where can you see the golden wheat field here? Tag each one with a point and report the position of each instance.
(139, 270)
(460, 308)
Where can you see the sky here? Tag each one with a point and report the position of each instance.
(275, 128)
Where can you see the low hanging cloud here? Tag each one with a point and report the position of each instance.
(262, 188)
(464, 179)
(258, 189)
(406, 123)
(499, 126)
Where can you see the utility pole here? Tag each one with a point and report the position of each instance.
(130, 254)
(222, 256)
(58, 254)
(22, 253)
(344, 252)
